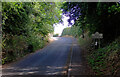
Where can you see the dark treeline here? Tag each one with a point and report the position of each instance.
(95, 17)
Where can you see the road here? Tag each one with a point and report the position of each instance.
(51, 60)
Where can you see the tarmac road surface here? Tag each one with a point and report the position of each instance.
(51, 60)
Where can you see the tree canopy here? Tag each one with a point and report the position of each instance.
(102, 17)
(27, 24)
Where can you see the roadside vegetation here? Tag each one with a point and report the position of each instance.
(106, 60)
(72, 31)
(26, 26)
(55, 35)
(97, 17)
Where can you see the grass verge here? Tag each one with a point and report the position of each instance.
(106, 61)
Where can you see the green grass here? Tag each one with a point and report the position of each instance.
(106, 60)
(84, 42)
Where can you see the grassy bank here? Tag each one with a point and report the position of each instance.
(103, 61)
(106, 61)
(15, 47)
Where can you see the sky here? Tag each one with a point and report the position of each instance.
(58, 28)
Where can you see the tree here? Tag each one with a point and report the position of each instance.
(25, 24)
(98, 16)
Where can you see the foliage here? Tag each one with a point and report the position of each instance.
(98, 16)
(27, 24)
(14, 47)
(102, 17)
(73, 31)
(55, 35)
(0, 6)
(106, 60)
(66, 31)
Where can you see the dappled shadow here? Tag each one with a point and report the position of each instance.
(51, 60)
(43, 70)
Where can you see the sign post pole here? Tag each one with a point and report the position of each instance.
(98, 36)
(99, 42)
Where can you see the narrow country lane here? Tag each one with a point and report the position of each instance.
(85, 38)
(51, 60)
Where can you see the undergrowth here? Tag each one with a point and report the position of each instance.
(15, 47)
(106, 61)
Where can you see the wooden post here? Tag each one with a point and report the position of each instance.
(99, 42)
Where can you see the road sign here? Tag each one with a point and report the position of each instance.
(97, 35)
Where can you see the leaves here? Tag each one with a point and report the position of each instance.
(26, 23)
(94, 17)
(104, 60)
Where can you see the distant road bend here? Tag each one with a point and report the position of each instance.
(51, 60)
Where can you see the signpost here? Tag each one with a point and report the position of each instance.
(98, 36)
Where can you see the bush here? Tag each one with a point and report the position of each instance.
(106, 60)
(55, 35)
(14, 47)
